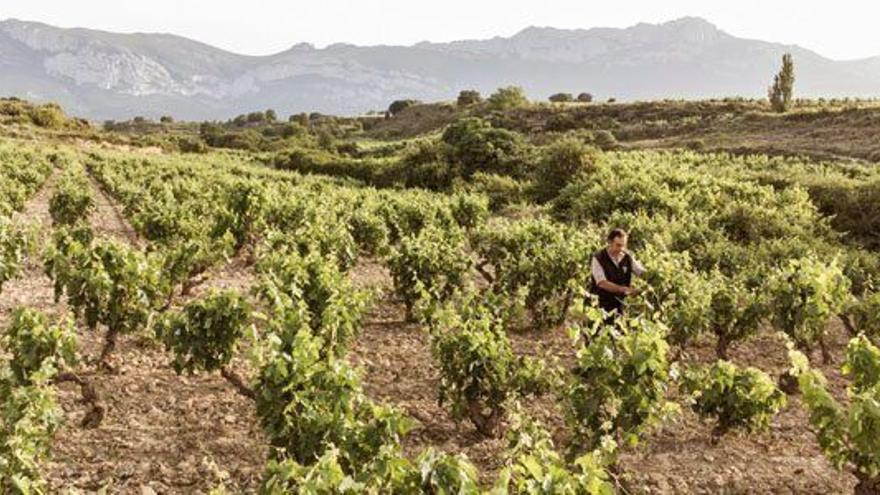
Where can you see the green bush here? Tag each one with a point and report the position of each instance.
(562, 161)
(866, 315)
(476, 146)
(33, 343)
(313, 291)
(479, 374)
(532, 465)
(735, 312)
(538, 264)
(853, 208)
(561, 98)
(469, 210)
(605, 139)
(14, 246)
(424, 165)
(369, 231)
(191, 145)
(33, 354)
(675, 293)
(508, 98)
(469, 97)
(204, 335)
(501, 190)
(72, 201)
(734, 397)
(390, 472)
(804, 295)
(847, 433)
(429, 266)
(618, 384)
(308, 403)
(110, 283)
(49, 116)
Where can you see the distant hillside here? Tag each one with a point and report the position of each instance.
(834, 130)
(103, 75)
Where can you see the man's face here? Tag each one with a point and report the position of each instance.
(617, 246)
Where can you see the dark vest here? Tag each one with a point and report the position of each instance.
(618, 274)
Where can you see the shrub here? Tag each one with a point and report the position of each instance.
(501, 190)
(561, 98)
(30, 418)
(49, 116)
(34, 353)
(424, 165)
(562, 161)
(479, 373)
(533, 466)
(110, 283)
(675, 293)
(34, 343)
(311, 290)
(507, 98)
(191, 145)
(14, 246)
(618, 384)
(866, 315)
(469, 97)
(204, 335)
(585, 98)
(369, 231)
(604, 139)
(735, 313)
(847, 434)
(736, 398)
(72, 201)
(476, 146)
(431, 264)
(804, 294)
(468, 210)
(538, 264)
(308, 403)
(390, 472)
(293, 129)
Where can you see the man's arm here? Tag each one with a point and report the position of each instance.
(616, 289)
(637, 268)
(605, 284)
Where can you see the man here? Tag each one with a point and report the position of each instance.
(612, 269)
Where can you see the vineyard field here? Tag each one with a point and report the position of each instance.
(414, 316)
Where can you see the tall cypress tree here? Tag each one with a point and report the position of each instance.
(780, 93)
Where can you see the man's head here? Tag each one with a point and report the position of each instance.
(616, 242)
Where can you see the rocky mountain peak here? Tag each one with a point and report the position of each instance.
(102, 75)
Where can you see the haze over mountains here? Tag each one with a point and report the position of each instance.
(103, 75)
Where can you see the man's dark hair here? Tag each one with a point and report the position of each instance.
(615, 233)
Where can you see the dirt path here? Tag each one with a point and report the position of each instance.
(32, 287)
(108, 221)
(173, 434)
(395, 358)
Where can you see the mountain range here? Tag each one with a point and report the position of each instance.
(104, 75)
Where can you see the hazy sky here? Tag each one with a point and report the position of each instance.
(842, 29)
